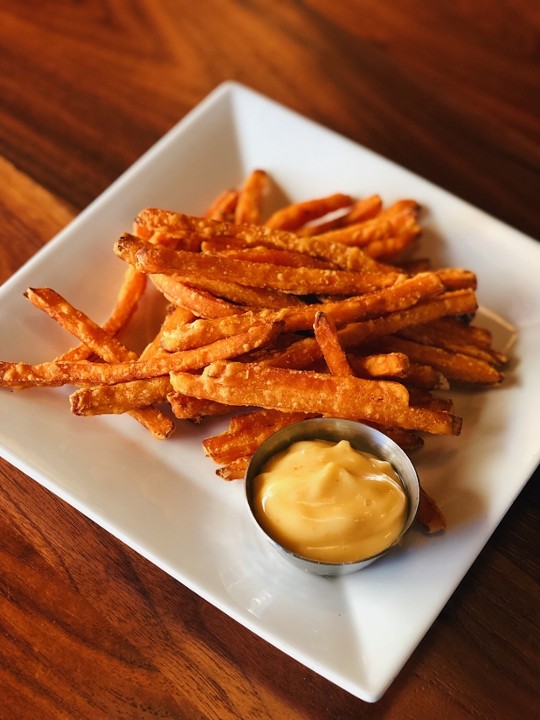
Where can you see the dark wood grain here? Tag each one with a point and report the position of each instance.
(448, 90)
(88, 629)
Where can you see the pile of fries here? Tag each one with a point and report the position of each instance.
(315, 310)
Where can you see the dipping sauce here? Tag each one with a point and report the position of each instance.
(329, 502)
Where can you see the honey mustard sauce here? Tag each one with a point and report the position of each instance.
(329, 502)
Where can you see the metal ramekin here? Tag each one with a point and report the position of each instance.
(361, 437)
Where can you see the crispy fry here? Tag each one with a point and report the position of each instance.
(93, 337)
(420, 397)
(457, 278)
(449, 303)
(223, 206)
(326, 337)
(200, 302)
(54, 374)
(399, 219)
(186, 240)
(338, 364)
(245, 437)
(380, 401)
(174, 317)
(129, 295)
(425, 377)
(364, 209)
(361, 210)
(431, 308)
(249, 205)
(456, 338)
(387, 249)
(463, 332)
(455, 366)
(125, 397)
(295, 215)
(243, 295)
(414, 265)
(77, 323)
(194, 409)
(221, 288)
(262, 253)
(429, 514)
(302, 281)
(119, 398)
(178, 224)
(400, 296)
(306, 351)
(391, 365)
(235, 470)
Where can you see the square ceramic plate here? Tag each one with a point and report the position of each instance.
(163, 498)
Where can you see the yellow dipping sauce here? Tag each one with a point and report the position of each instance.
(329, 502)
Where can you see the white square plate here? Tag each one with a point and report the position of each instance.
(163, 498)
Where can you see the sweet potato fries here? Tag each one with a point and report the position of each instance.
(315, 310)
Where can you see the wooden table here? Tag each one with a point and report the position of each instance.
(451, 91)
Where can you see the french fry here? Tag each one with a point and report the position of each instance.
(194, 409)
(223, 206)
(386, 249)
(262, 253)
(184, 240)
(119, 398)
(249, 205)
(306, 351)
(399, 219)
(332, 352)
(200, 302)
(220, 288)
(463, 332)
(297, 214)
(208, 331)
(242, 295)
(93, 337)
(361, 210)
(55, 374)
(449, 303)
(391, 365)
(364, 209)
(246, 438)
(129, 295)
(235, 470)
(425, 377)
(455, 339)
(179, 225)
(174, 317)
(457, 278)
(414, 265)
(79, 324)
(230, 379)
(150, 258)
(456, 367)
(160, 426)
(125, 397)
(338, 364)
(379, 401)
(440, 305)
(429, 514)
(420, 397)
(400, 296)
